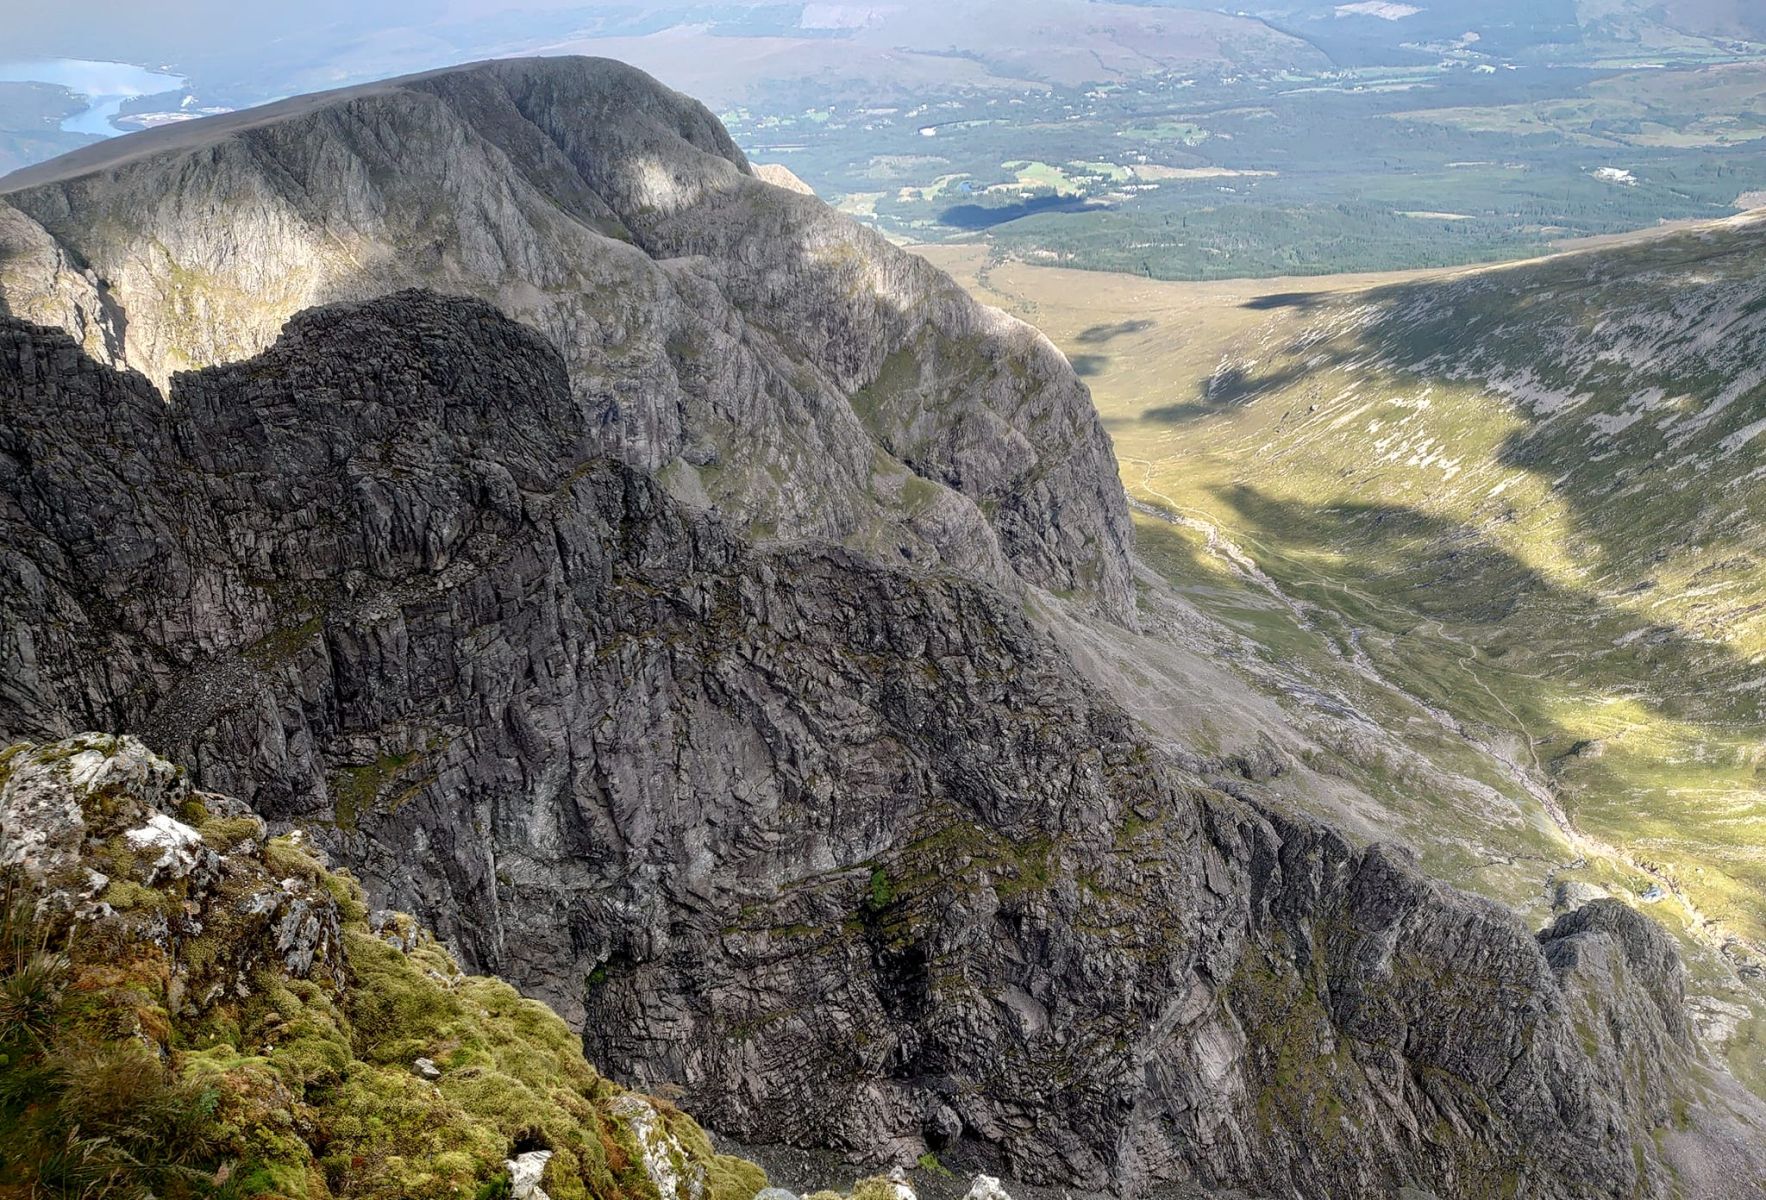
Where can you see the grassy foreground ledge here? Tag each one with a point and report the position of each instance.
(189, 1008)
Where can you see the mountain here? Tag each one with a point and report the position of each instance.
(823, 843)
(843, 842)
(723, 52)
(906, 53)
(874, 404)
(1674, 26)
(1616, 32)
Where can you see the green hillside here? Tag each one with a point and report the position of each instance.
(1532, 497)
(1529, 501)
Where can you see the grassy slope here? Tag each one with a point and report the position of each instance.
(1528, 497)
(158, 1045)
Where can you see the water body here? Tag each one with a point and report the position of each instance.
(106, 85)
(986, 216)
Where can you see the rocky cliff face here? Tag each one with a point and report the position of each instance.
(843, 849)
(766, 356)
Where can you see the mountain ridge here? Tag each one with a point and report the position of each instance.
(618, 219)
(820, 841)
(1522, 495)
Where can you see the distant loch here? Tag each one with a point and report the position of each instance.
(105, 85)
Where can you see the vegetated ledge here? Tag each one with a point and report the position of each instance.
(191, 1008)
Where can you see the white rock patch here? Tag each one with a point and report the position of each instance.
(525, 1171)
(986, 1187)
(176, 840)
(660, 1151)
(165, 832)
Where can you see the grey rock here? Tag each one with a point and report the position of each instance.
(176, 844)
(944, 1125)
(782, 176)
(829, 844)
(1574, 893)
(525, 1171)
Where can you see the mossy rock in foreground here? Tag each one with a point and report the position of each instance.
(189, 1008)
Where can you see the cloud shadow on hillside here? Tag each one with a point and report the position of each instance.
(1236, 387)
(1275, 300)
(1442, 570)
(1097, 335)
(976, 217)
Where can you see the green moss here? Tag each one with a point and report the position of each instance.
(125, 895)
(274, 1087)
(726, 1176)
(1032, 869)
(343, 889)
(287, 857)
(882, 891)
(875, 1187)
(918, 495)
(279, 646)
(354, 790)
(882, 404)
(498, 1188)
(929, 1163)
(222, 834)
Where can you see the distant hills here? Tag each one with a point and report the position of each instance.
(1182, 139)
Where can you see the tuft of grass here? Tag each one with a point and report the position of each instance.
(882, 891)
(81, 1116)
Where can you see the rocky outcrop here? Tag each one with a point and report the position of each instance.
(782, 176)
(768, 357)
(844, 850)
